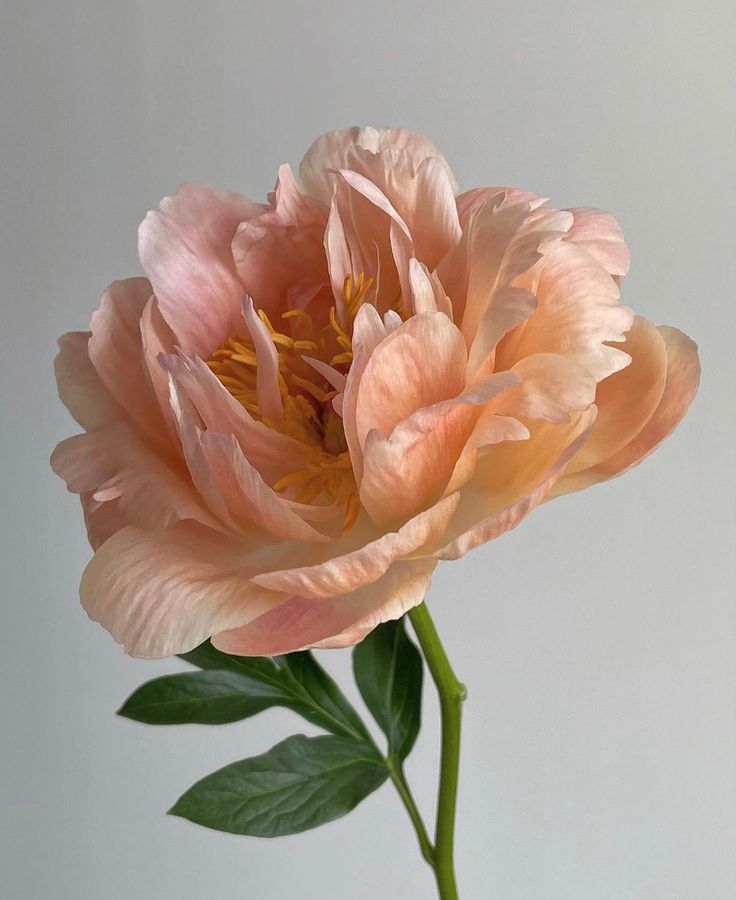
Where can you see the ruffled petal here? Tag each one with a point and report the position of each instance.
(551, 387)
(510, 480)
(412, 467)
(185, 250)
(578, 314)
(282, 247)
(600, 234)
(425, 357)
(161, 593)
(340, 150)
(366, 564)
(336, 621)
(681, 384)
(123, 481)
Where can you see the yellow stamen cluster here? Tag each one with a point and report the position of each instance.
(308, 414)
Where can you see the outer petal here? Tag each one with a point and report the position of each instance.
(185, 250)
(681, 384)
(161, 593)
(600, 234)
(336, 150)
(123, 482)
(336, 621)
(81, 389)
(116, 351)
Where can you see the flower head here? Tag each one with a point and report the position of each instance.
(307, 403)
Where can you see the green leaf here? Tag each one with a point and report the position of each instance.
(388, 670)
(209, 698)
(297, 681)
(299, 784)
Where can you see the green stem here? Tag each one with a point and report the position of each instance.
(407, 798)
(451, 693)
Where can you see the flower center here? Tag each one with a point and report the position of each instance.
(306, 393)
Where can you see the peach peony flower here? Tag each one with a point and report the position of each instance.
(309, 402)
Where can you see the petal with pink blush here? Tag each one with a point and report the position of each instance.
(505, 241)
(600, 234)
(267, 373)
(232, 487)
(185, 251)
(578, 314)
(147, 490)
(116, 351)
(366, 564)
(426, 356)
(681, 384)
(272, 453)
(162, 593)
(469, 201)
(336, 621)
(411, 468)
(281, 247)
(552, 386)
(337, 150)
(510, 480)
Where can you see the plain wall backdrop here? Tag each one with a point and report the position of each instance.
(597, 639)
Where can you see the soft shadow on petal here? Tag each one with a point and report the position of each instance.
(366, 564)
(578, 313)
(681, 385)
(510, 480)
(185, 250)
(116, 350)
(420, 363)
(161, 593)
(81, 389)
(282, 246)
(336, 621)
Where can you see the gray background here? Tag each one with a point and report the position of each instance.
(597, 639)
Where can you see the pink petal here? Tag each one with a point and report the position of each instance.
(116, 351)
(425, 358)
(161, 593)
(600, 234)
(681, 385)
(337, 150)
(367, 563)
(232, 487)
(282, 246)
(185, 251)
(511, 479)
(80, 387)
(578, 313)
(411, 468)
(147, 490)
(267, 374)
(552, 386)
(336, 621)
(272, 453)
